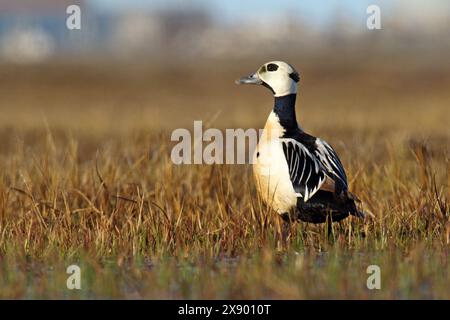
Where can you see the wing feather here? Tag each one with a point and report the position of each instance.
(305, 170)
(330, 161)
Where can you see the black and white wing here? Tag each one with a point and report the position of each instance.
(306, 173)
(330, 161)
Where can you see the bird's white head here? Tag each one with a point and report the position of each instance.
(278, 76)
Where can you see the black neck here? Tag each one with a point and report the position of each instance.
(284, 108)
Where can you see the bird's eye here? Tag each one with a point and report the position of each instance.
(272, 67)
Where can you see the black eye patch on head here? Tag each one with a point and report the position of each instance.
(272, 67)
(294, 76)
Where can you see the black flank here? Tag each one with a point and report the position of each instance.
(323, 204)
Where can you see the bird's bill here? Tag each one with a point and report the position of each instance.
(251, 79)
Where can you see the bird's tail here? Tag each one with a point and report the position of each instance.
(359, 214)
(353, 199)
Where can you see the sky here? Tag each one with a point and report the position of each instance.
(228, 10)
(315, 12)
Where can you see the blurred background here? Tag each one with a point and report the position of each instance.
(86, 118)
(158, 64)
(34, 31)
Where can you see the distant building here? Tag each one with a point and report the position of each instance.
(32, 31)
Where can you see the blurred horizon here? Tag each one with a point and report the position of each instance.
(176, 30)
(137, 64)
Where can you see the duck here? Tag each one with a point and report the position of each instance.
(297, 174)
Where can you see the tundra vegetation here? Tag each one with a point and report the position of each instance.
(86, 178)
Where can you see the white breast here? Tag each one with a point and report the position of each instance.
(271, 170)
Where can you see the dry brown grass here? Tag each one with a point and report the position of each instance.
(86, 175)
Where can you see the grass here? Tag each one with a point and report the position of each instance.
(86, 178)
